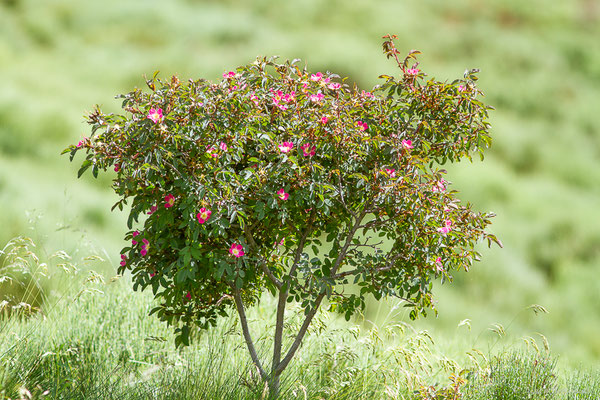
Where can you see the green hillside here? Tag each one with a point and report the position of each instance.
(540, 69)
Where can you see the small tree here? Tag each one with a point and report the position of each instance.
(281, 180)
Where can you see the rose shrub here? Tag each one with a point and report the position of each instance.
(278, 179)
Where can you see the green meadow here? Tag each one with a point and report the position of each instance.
(540, 69)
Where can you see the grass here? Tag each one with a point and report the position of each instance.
(539, 68)
(91, 339)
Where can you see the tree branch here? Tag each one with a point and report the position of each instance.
(283, 294)
(278, 369)
(244, 322)
(300, 247)
(262, 263)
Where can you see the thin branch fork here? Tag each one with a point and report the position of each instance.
(283, 294)
(278, 368)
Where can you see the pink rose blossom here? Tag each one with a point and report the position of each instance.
(156, 115)
(254, 99)
(290, 97)
(315, 98)
(285, 147)
(282, 194)
(316, 77)
(366, 94)
(133, 241)
(324, 120)
(203, 215)
(144, 249)
(223, 146)
(334, 86)
(308, 150)
(117, 167)
(169, 200)
(236, 250)
(188, 296)
(229, 74)
(447, 228)
(439, 267)
(123, 260)
(391, 172)
(362, 125)
(439, 186)
(326, 80)
(211, 150)
(152, 210)
(412, 71)
(277, 97)
(407, 144)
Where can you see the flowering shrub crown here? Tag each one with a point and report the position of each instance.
(215, 175)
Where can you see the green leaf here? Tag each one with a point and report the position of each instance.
(84, 166)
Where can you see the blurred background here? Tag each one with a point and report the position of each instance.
(540, 69)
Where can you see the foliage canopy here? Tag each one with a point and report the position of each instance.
(278, 179)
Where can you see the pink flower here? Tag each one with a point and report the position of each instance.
(229, 75)
(212, 151)
(152, 210)
(144, 249)
(203, 215)
(290, 97)
(277, 97)
(236, 250)
(334, 86)
(133, 241)
(188, 296)
(223, 146)
(366, 94)
(439, 186)
(82, 142)
(407, 144)
(169, 200)
(316, 77)
(461, 88)
(285, 147)
(439, 267)
(446, 229)
(123, 260)
(152, 274)
(326, 80)
(308, 150)
(282, 194)
(315, 98)
(391, 172)
(412, 71)
(362, 125)
(324, 120)
(156, 115)
(117, 167)
(282, 241)
(254, 99)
